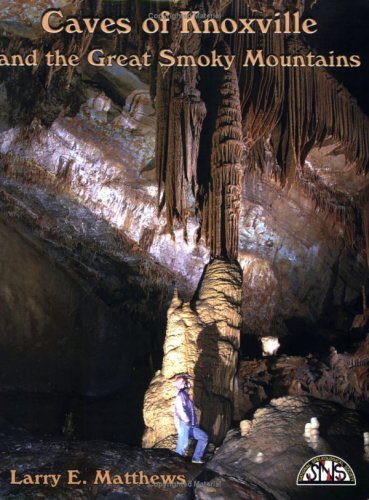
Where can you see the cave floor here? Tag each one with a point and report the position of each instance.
(234, 472)
(26, 455)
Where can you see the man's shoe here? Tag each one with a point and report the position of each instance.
(198, 461)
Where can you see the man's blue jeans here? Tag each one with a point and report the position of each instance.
(185, 432)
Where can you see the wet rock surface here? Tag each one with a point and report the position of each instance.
(274, 449)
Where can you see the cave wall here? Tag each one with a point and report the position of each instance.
(299, 276)
(63, 336)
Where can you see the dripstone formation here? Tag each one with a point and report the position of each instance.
(202, 339)
(263, 120)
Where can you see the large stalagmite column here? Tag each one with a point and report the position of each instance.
(202, 339)
(203, 336)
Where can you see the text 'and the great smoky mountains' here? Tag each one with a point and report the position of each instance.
(53, 22)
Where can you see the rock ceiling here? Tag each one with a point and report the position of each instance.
(334, 186)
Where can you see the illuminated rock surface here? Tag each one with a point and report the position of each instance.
(277, 433)
(297, 271)
(202, 340)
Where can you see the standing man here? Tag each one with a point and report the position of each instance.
(186, 422)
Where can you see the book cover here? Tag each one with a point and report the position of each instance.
(184, 238)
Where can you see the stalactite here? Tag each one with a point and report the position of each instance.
(261, 88)
(181, 113)
(285, 112)
(338, 207)
(339, 116)
(317, 107)
(297, 106)
(222, 205)
(178, 137)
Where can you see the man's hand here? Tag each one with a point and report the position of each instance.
(198, 414)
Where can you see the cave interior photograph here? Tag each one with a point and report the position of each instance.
(192, 235)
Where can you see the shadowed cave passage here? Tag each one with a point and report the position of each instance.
(81, 325)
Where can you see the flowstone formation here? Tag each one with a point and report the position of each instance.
(202, 339)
